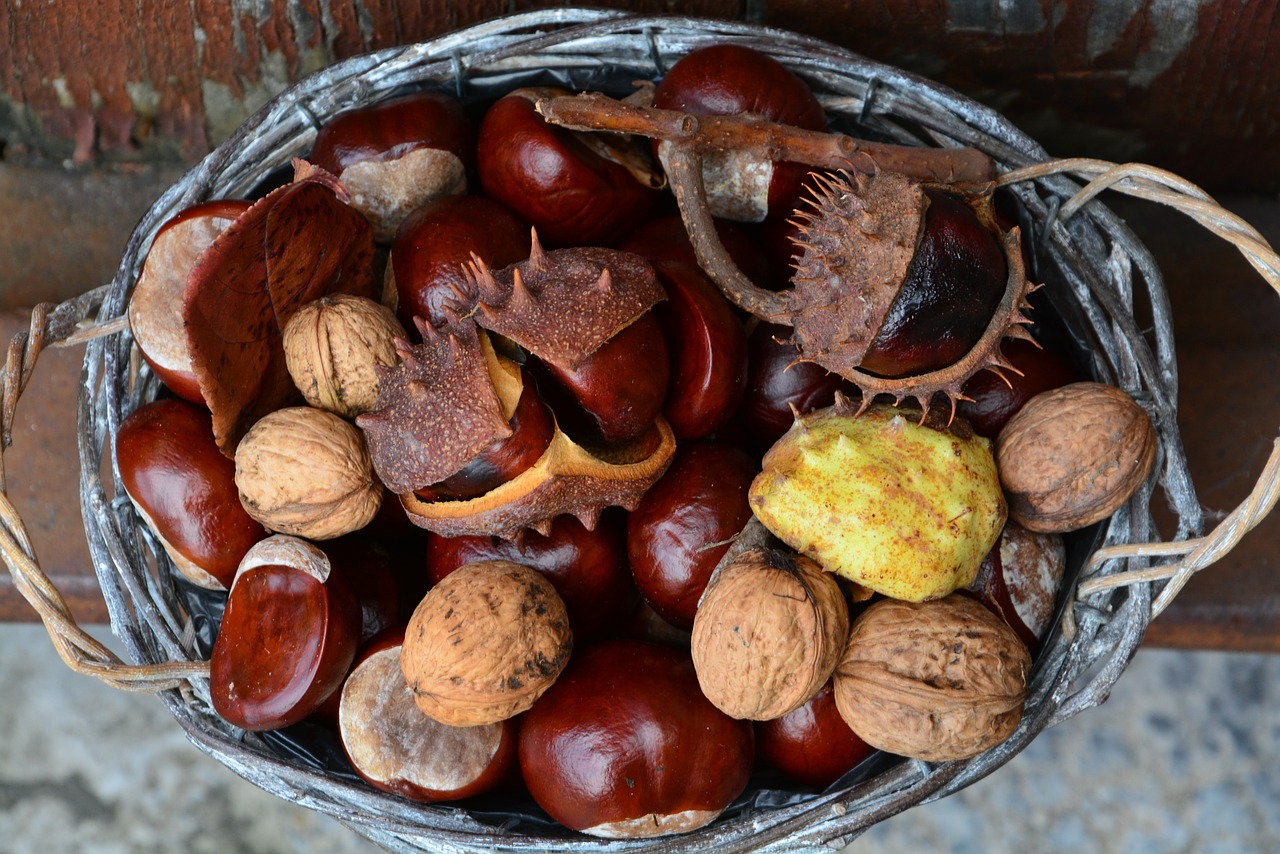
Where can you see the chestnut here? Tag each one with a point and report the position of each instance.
(588, 568)
(438, 239)
(681, 528)
(155, 307)
(667, 239)
(992, 399)
(556, 179)
(729, 79)
(780, 384)
(707, 346)
(287, 639)
(367, 567)
(624, 745)
(615, 394)
(394, 747)
(811, 745)
(398, 154)
(185, 490)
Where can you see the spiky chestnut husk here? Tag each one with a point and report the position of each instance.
(858, 244)
(561, 305)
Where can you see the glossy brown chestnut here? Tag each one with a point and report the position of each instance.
(707, 347)
(812, 745)
(667, 239)
(155, 307)
(532, 430)
(672, 534)
(287, 638)
(954, 283)
(620, 388)
(396, 155)
(777, 381)
(367, 566)
(437, 239)
(588, 568)
(548, 176)
(185, 489)
(994, 401)
(624, 745)
(730, 79)
(393, 746)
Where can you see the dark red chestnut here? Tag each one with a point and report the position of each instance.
(287, 638)
(588, 568)
(366, 565)
(437, 239)
(778, 380)
(812, 745)
(396, 748)
(532, 428)
(707, 346)
(620, 388)
(396, 155)
(727, 80)
(185, 489)
(994, 400)
(155, 307)
(667, 239)
(681, 528)
(624, 745)
(556, 179)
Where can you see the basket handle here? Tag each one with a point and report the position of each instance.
(1164, 187)
(57, 326)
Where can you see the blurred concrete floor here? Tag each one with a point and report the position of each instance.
(1184, 757)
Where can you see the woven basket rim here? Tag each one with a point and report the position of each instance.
(1098, 260)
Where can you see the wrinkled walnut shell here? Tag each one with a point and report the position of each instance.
(937, 681)
(1073, 455)
(767, 634)
(567, 478)
(485, 643)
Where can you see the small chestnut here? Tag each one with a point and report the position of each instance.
(624, 745)
(992, 399)
(811, 745)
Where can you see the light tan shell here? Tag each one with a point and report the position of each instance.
(767, 634)
(1071, 456)
(937, 680)
(306, 472)
(331, 346)
(485, 643)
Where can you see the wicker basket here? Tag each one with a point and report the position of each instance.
(1097, 271)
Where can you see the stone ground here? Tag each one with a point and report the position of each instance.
(1184, 757)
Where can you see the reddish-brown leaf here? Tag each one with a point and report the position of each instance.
(297, 244)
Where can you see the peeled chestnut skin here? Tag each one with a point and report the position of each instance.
(572, 195)
(954, 283)
(994, 401)
(618, 391)
(392, 129)
(504, 459)
(812, 745)
(625, 734)
(438, 238)
(777, 381)
(285, 643)
(701, 500)
(173, 470)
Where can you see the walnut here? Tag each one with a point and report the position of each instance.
(767, 634)
(306, 472)
(331, 346)
(485, 643)
(1073, 455)
(937, 680)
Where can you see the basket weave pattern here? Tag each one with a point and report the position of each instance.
(1098, 269)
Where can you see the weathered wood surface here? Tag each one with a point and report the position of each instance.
(1192, 85)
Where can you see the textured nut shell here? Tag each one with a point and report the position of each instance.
(767, 634)
(938, 680)
(485, 643)
(1034, 564)
(306, 472)
(331, 346)
(1073, 455)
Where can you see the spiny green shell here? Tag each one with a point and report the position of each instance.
(906, 509)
